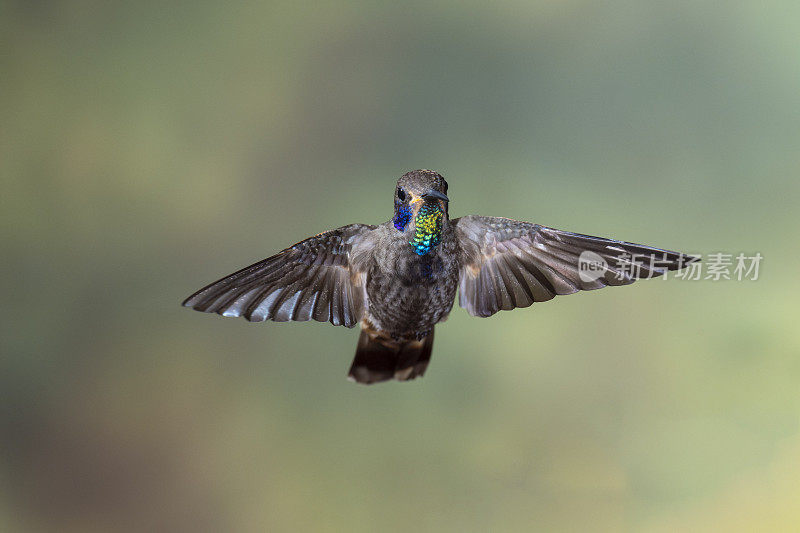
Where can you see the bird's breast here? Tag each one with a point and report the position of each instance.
(409, 293)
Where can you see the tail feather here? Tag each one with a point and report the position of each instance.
(380, 359)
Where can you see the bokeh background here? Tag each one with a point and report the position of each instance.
(148, 148)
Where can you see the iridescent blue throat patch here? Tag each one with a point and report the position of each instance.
(428, 228)
(402, 218)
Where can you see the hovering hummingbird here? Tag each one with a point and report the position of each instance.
(397, 280)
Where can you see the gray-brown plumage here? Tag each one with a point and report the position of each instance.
(398, 279)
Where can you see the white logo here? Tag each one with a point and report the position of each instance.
(591, 266)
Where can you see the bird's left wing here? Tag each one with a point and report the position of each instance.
(320, 278)
(508, 263)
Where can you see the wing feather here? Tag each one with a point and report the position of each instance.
(508, 263)
(318, 278)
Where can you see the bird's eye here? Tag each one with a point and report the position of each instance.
(401, 194)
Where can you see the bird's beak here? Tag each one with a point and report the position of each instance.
(435, 195)
(431, 196)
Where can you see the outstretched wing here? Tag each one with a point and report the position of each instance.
(320, 278)
(508, 263)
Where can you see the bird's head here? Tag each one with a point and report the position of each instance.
(420, 206)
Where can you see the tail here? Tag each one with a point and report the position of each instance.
(380, 359)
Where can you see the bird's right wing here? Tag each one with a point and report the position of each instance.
(508, 263)
(320, 278)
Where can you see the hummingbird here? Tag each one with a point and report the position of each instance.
(397, 280)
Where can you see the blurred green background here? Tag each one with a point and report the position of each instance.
(148, 148)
